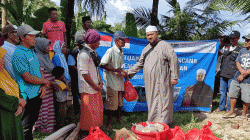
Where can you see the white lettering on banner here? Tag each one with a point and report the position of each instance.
(187, 60)
(105, 43)
(138, 77)
(183, 68)
(127, 65)
(131, 58)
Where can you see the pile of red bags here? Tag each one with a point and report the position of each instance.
(172, 134)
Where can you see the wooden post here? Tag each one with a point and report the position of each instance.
(4, 14)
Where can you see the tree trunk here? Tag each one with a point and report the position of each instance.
(154, 15)
(4, 14)
(68, 15)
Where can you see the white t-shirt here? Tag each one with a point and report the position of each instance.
(114, 58)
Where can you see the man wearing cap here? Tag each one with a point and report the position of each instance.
(112, 62)
(86, 21)
(10, 34)
(54, 30)
(26, 69)
(241, 80)
(161, 72)
(228, 68)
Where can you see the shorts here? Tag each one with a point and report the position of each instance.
(236, 88)
(114, 99)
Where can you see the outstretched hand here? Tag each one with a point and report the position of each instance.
(174, 81)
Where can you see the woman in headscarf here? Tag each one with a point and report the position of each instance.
(59, 59)
(90, 82)
(11, 105)
(46, 118)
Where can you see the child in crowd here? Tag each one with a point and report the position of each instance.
(61, 96)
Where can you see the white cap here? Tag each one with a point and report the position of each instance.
(201, 71)
(151, 28)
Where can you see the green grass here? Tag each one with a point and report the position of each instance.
(185, 120)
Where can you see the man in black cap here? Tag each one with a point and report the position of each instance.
(228, 68)
(86, 26)
(86, 21)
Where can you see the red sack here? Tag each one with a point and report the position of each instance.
(204, 134)
(98, 134)
(130, 92)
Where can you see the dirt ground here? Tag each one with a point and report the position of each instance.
(223, 126)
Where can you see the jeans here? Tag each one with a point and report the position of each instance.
(224, 88)
(30, 116)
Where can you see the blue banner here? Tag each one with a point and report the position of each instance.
(195, 58)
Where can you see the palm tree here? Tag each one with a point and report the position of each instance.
(186, 23)
(4, 14)
(154, 18)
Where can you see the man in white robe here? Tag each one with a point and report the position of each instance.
(161, 72)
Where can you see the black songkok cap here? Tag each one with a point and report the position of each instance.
(84, 19)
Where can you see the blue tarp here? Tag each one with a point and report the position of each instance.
(192, 55)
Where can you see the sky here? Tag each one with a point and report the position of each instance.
(116, 10)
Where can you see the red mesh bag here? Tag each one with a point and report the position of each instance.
(204, 134)
(98, 134)
(130, 92)
(176, 134)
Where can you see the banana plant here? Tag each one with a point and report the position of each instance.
(15, 8)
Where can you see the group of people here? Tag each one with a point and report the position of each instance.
(38, 75)
(233, 74)
(35, 79)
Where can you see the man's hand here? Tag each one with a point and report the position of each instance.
(240, 78)
(124, 73)
(244, 73)
(22, 102)
(19, 110)
(42, 90)
(174, 81)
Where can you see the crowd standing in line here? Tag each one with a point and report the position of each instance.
(37, 75)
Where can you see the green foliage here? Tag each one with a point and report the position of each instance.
(15, 8)
(101, 25)
(130, 29)
(178, 27)
(118, 27)
(41, 16)
(141, 33)
(24, 11)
